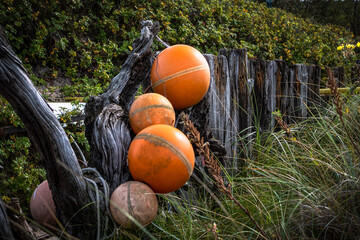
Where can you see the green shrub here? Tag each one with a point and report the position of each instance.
(21, 166)
(21, 169)
(87, 42)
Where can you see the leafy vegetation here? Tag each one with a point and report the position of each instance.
(86, 42)
(297, 185)
(21, 170)
(343, 13)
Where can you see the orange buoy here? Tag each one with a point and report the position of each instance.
(136, 199)
(181, 74)
(162, 157)
(42, 205)
(149, 109)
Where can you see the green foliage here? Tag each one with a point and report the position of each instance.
(21, 169)
(20, 176)
(75, 129)
(8, 116)
(343, 13)
(87, 42)
(21, 172)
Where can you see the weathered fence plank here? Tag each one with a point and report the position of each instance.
(246, 92)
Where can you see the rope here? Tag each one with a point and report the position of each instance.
(157, 60)
(164, 43)
(97, 193)
(79, 150)
(106, 197)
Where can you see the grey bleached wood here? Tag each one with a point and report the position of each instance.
(245, 93)
(106, 116)
(69, 189)
(5, 228)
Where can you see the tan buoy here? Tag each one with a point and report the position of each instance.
(136, 199)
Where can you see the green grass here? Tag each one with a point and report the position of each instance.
(302, 186)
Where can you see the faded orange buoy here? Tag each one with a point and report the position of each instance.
(42, 205)
(149, 109)
(181, 74)
(135, 198)
(162, 157)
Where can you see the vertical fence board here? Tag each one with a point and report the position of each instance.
(270, 95)
(245, 92)
(283, 89)
(314, 73)
(339, 75)
(257, 70)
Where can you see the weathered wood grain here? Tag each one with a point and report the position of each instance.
(5, 228)
(245, 93)
(69, 189)
(106, 116)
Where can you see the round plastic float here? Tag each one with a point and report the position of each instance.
(136, 199)
(181, 74)
(149, 109)
(42, 205)
(162, 157)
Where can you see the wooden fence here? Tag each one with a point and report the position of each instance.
(246, 92)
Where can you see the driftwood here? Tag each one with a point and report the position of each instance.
(106, 128)
(69, 189)
(5, 228)
(106, 116)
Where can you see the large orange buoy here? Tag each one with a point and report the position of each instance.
(181, 74)
(162, 157)
(149, 109)
(136, 199)
(42, 205)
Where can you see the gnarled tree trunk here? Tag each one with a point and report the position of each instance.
(106, 116)
(69, 189)
(106, 128)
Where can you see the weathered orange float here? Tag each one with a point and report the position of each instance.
(149, 109)
(42, 205)
(181, 74)
(136, 199)
(162, 157)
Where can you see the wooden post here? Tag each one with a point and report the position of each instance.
(283, 89)
(339, 75)
(237, 103)
(257, 70)
(314, 73)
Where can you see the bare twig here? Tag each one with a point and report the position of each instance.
(282, 124)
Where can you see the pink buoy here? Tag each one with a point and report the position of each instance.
(42, 205)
